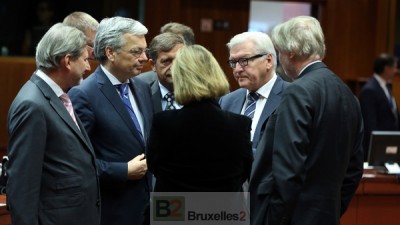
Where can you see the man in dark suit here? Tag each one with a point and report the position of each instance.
(253, 59)
(52, 171)
(309, 161)
(378, 106)
(116, 111)
(162, 53)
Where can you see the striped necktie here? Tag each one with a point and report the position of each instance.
(251, 104)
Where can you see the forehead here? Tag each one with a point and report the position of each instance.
(134, 41)
(242, 49)
(171, 52)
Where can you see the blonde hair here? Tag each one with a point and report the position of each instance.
(197, 75)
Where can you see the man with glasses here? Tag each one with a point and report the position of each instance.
(116, 110)
(253, 60)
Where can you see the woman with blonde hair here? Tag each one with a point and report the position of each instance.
(200, 147)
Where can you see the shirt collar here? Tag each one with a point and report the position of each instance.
(114, 81)
(308, 66)
(267, 87)
(53, 85)
(163, 89)
(381, 81)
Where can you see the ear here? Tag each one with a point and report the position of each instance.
(110, 53)
(152, 64)
(66, 61)
(291, 55)
(269, 61)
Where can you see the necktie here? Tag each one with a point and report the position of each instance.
(251, 104)
(124, 92)
(68, 105)
(169, 97)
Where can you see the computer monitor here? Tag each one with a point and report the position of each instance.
(384, 148)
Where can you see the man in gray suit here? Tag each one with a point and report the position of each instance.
(253, 60)
(52, 170)
(162, 52)
(310, 160)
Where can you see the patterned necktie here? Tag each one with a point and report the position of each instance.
(251, 104)
(169, 97)
(68, 105)
(124, 92)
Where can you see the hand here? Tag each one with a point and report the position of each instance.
(137, 167)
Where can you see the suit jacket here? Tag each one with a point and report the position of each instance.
(52, 171)
(309, 161)
(115, 141)
(150, 78)
(376, 112)
(199, 148)
(235, 100)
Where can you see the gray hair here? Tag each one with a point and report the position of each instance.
(164, 42)
(110, 34)
(56, 43)
(82, 21)
(262, 43)
(300, 35)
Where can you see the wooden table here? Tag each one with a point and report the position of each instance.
(4, 214)
(377, 201)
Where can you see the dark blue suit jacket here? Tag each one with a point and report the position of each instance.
(234, 102)
(115, 141)
(376, 111)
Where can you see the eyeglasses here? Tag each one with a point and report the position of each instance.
(137, 52)
(243, 61)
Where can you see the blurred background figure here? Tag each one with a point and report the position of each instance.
(38, 26)
(378, 105)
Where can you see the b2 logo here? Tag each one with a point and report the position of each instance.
(168, 208)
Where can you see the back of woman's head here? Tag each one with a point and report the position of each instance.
(197, 75)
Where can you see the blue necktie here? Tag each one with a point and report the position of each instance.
(124, 92)
(251, 104)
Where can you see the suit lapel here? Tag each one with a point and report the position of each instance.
(60, 109)
(271, 104)
(237, 103)
(156, 97)
(138, 94)
(110, 92)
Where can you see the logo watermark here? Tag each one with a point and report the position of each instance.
(199, 208)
